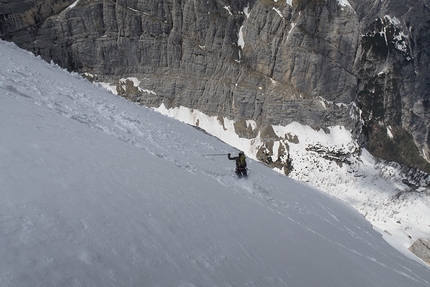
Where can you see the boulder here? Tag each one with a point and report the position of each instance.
(421, 248)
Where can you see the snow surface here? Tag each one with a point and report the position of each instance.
(344, 3)
(373, 188)
(73, 5)
(98, 191)
(240, 40)
(278, 12)
(228, 8)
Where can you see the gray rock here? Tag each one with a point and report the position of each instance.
(17, 15)
(421, 248)
(315, 62)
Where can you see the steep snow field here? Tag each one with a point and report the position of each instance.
(374, 188)
(97, 191)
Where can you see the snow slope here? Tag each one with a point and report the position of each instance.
(334, 163)
(97, 191)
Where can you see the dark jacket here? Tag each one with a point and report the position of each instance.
(238, 160)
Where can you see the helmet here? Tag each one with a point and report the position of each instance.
(241, 153)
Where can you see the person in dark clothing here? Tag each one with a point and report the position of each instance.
(240, 164)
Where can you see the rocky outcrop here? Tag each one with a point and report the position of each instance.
(363, 64)
(421, 248)
(392, 83)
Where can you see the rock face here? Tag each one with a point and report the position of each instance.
(27, 14)
(421, 248)
(363, 64)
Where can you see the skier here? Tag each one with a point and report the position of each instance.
(240, 164)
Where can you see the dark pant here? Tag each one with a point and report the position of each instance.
(241, 172)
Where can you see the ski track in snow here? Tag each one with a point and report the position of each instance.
(130, 128)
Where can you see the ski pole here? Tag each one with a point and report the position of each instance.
(215, 154)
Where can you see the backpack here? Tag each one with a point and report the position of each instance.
(242, 161)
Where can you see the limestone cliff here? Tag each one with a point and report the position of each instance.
(363, 64)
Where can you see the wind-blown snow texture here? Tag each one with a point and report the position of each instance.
(97, 191)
